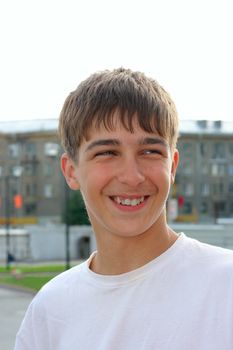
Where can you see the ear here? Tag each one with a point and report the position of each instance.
(175, 162)
(68, 168)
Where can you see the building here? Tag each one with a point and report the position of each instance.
(204, 182)
(30, 168)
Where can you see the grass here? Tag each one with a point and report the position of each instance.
(36, 268)
(30, 282)
(29, 276)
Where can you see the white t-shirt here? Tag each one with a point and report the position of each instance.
(181, 300)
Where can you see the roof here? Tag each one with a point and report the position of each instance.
(28, 126)
(203, 127)
(206, 127)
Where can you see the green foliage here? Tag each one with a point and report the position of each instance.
(76, 213)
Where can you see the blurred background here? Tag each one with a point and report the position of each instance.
(47, 48)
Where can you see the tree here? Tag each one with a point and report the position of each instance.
(76, 213)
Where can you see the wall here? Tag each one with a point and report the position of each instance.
(48, 242)
(220, 235)
(19, 244)
(40, 243)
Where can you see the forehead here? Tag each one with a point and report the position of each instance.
(118, 131)
(121, 136)
(116, 128)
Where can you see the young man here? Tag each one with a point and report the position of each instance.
(146, 287)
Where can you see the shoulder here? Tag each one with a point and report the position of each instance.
(59, 290)
(208, 257)
(51, 305)
(65, 280)
(206, 250)
(66, 277)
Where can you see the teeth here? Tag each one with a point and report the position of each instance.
(117, 199)
(128, 201)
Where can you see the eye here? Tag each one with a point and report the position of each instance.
(152, 152)
(108, 153)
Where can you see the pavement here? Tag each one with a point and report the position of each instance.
(13, 304)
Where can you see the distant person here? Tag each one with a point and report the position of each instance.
(146, 287)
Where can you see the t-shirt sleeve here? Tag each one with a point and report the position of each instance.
(33, 332)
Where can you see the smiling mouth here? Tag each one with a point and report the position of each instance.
(129, 202)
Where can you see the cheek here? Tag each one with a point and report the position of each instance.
(160, 172)
(92, 180)
(161, 178)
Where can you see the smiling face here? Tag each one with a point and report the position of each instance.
(124, 179)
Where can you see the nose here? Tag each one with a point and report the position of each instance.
(130, 172)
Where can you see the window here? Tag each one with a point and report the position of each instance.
(218, 150)
(48, 191)
(30, 148)
(16, 171)
(205, 189)
(188, 189)
(214, 170)
(204, 208)
(51, 149)
(230, 170)
(231, 187)
(218, 169)
(13, 150)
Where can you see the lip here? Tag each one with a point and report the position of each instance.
(129, 208)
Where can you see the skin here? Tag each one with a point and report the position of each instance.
(115, 168)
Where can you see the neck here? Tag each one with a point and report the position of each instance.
(117, 255)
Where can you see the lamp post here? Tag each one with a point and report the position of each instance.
(67, 227)
(7, 221)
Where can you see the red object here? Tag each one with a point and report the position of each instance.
(18, 201)
(180, 201)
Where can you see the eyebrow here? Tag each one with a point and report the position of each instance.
(103, 142)
(153, 141)
(114, 142)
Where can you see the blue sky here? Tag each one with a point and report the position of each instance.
(49, 46)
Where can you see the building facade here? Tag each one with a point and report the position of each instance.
(30, 169)
(204, 182)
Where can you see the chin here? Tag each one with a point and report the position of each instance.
(130, 233)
